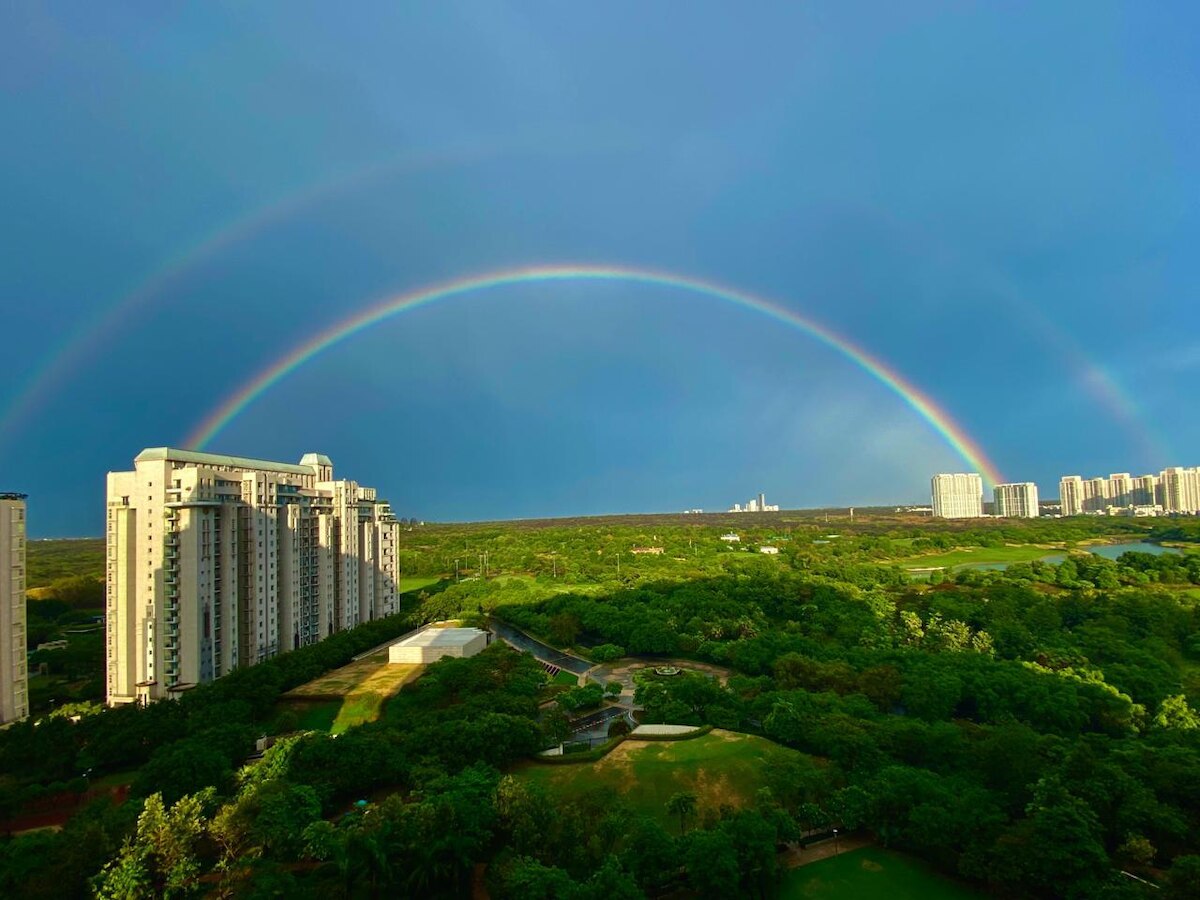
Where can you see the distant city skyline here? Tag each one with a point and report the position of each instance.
(756, 504)
(1175, 489)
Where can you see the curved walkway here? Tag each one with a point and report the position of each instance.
(543, 651)
(794, 856)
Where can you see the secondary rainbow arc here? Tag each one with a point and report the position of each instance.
(928, 409)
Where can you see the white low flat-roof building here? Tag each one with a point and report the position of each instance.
(432, 644)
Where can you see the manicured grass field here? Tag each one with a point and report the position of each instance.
(362, 687)
(416, 583)
(316, 716)
(570, 679)
(871, 874)
(722, 767)
(977, 555)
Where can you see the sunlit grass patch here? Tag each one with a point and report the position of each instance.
(720, 768)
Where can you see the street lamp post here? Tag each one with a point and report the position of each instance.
(837, 847)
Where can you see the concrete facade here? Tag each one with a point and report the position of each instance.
(432, 644)
(14, 669)
(216, 562)
(957, 496)
(1175, 490)
(1017, 501)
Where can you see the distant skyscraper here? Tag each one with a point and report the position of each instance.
(1120, 489)
(755, 504)
(1016, 501)
(1095, 495)
(958, 496)
(1144, 490)
(216, 562)
(14, 675)
(1070, 495)
(1180, 490)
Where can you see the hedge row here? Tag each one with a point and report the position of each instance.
(596, 753)
(686, 736)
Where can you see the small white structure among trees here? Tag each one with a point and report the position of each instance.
(432, 644)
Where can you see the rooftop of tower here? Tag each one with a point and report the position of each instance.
(196, 457)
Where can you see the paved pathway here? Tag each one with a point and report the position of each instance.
(519, 639)
(795, 857)
(597, 719)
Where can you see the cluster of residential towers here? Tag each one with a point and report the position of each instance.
(1174, 491)
(216, 562)
(960, 496)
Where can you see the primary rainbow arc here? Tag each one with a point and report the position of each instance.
(938, 419)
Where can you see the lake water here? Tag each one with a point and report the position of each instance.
(1112, 551)
(1108, 551)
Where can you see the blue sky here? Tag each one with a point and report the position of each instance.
(998, 199)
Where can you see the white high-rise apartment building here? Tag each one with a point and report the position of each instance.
(1120, 489)
(1180, 490)
(14, 674)
(216, 562)
(1145, 491)
(1095, 495)
(958, 496)
(1016, 501)
(1070, 495)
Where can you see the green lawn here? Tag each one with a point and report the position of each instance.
(415, 583)
(966, 556)
(570, 679)
(318, 716)
(356, 692)
(722, 767)
(871, 874)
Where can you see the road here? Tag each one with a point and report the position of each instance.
(597, 721)
(544, 652)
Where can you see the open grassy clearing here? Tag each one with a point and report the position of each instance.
(871, 873)
(980, 555)
(415, 583)
(362, 688)
(722, 767)
(365, 702)
(311, 715)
